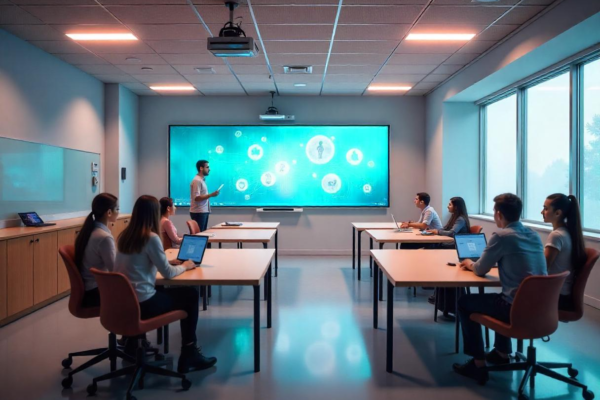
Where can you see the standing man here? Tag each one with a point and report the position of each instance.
(199, 196)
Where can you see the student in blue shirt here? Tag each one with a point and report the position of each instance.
(518, 252)
(429, 219)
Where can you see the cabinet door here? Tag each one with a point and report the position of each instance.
(65, 237)
(45, 251)
(113, 228)
(3, 312)
(19, 267)
(122, 224)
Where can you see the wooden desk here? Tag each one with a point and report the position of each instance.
(257, 225)
(233, 267)
(360, 227)
(405, 268)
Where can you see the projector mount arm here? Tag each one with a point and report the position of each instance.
(230, 29)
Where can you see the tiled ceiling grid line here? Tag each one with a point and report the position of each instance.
(335, 23)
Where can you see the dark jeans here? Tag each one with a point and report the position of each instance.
(170, 299)
(492, 304)
(91, 298)
(201, 219)
(565, 302)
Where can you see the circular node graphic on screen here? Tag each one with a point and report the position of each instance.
(354, 156)
(255, 152)
(294, 162)
(247, 197)
(314, 175)
(333, 138)
(268, 179)
(263, 139)
(219, 149)
(331, 183)
(238, 134)
(301, 144)
(320, 149)
(210, 151)
(282, 168)
(241, 185)
(367, 188)
(371, 164)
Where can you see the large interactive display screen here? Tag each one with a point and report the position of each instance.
(283, 166)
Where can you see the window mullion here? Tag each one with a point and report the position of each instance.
(522, 146)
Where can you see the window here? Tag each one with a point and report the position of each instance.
(547, 132)
(590, 190)
(500, 150)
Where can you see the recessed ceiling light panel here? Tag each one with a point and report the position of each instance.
(173, 88)
(441, 36)
(101, 36)
(389, 88)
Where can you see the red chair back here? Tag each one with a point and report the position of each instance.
(193, 227)
(579, 284)
(476, 229)
(76, 308)
(166, 241)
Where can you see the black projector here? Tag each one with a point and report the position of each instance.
(232, 46)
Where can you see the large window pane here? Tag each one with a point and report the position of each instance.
(501, 150)
(547, 110)
(591, 145)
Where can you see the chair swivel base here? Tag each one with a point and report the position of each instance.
(532, 368)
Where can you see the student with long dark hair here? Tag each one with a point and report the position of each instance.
(95, 245)
(140, 256)
(565, 248)
(458, 222)
(167, 228)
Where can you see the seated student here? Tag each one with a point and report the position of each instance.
(140, 255)
(565, 249)
(429, 219)
(95, 246)
(519, 253)
(167, 229)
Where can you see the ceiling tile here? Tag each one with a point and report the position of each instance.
(399, 79)
(218, 14)
(418, 59)
(537, 2)
(223, 92)
(371, 32)
(387, 2)
(100, 69)
(190, 69)
(425, 86)
(371, 46)
(286, 14)
(216, 86)
(496, 32)
(178, 46)
(251, 69)
(476, 46)
(317, 2)
(460, 59)
(81, 59)
(108, 47)
(13, 15)
(114, 27)
(160, 79)
(416, 92)
(428, 47)
(298, 59)
(55, 2)
(34, 32)
(156, 14)
(258, 60)
(357, 59)
(447, 69)
(447, 28)
(379, 14)
(435, 78)
(217, 79)
(470, 3)
(122, 59)
(190, 59)
(136, 69)
(316, 69)
(407, 69)
(520, 15)
(296, 32)
(115, 78)
(462, 15)
(59, 46)
(71, 15)
(314, 46)
(247, 27)
(301, 78)
(329, 91)
(262, 78)
(170, 32)
(142, 2)
(352, 69)
(342, 78)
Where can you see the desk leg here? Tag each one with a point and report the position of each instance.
(375, 302)
(241, 245)
(276, 252)
(379, 276)
(390, 327)
(256, 328)
(353, 247)
(457, 321)
(370, 256)
(487, 330)
(266, 289)
(269, 283)
(359, 253)
(220, 245)
(166, 339)
(204, 298)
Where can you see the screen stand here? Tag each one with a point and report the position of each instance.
(279, 209)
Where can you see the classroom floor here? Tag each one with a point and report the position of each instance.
(321, 346)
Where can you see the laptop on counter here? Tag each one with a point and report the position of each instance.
(33, 219)
(192, 248)
(398, 229)
(470, 245)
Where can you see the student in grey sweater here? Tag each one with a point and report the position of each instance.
(518, 252)
(139, 257)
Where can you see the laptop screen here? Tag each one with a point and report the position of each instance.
(395, 223)
(31, 218)
(192, 248)
(470, 245)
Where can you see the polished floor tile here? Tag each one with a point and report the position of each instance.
(321, 346)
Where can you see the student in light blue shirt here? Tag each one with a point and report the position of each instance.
(429, 219)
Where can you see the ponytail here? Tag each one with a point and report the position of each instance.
(100, 206)
(572, 218)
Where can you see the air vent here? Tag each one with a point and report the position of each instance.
(204, 70)
(297, 69)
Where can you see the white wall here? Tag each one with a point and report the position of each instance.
(315, 231)
(128, 147)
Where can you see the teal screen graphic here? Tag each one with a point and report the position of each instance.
(283, 166)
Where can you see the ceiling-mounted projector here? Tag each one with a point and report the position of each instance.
(232, 40)
(272, 114)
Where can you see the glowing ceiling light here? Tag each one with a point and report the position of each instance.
(440, 36)
(101, 36)
(186, 88)
(389, 88)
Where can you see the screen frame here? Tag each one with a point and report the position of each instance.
(389, 200)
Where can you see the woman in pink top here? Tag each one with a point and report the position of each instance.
(167, 229)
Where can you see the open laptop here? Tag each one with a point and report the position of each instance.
(398, 229)
(192, 248)
(33, 219)
(470, 245)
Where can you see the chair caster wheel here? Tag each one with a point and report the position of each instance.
(573, 372)
(92, 388)
(67, 382)
(186, 384)
(588, 395)
(66, 363)
(523, 396)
